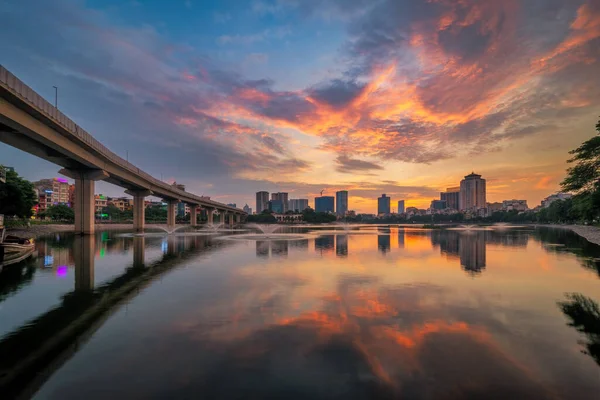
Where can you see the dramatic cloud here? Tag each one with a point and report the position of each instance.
(349, 165)
(306, 88)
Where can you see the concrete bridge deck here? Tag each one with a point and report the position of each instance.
(30, 123)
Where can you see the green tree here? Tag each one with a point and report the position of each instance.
(583, 178)
(265, 217)
(17, 196)
(156, 214)
(60, 212)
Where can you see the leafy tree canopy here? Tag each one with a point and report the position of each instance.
(17, 196)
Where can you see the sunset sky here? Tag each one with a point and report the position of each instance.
(402, 97)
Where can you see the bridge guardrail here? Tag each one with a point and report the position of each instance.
(16, 86)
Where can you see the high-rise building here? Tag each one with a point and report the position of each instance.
(297, 205)
(234, 205)
(383, 205)
(341, 202)
(438, 205)
(247, 209)
(400, 206)
(325, 204)
(472, 193)
(452, 197)
(276, 206)
(283, 197)
(262, 201)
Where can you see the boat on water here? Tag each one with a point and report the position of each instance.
(14, 249)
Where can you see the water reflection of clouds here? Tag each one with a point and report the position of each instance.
(385, 341)
(283, 328)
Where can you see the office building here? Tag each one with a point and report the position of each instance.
(400, 206)
(341, 203)
(325, 204)
(283, 197)
(276, 206)
(514, 205)
(452, 197)
(472, 193)
(438, 205)
(262, 201)
(234, 205)
(297, 205)
(247, 209)
(383, 205)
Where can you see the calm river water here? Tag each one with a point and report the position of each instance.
(368, 313)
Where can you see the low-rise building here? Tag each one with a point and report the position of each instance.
(100, 201)
(514, 205)
(289, 218)
(122, 203)
(555, 197)
(494, 207)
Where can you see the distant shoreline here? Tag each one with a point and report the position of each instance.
(590, 233)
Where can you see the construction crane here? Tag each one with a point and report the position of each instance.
(322, 192)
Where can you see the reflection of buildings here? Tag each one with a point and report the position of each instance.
(400, 238)
(279, 248)
(324, 243)
(508, 238)
(275, 248)
(383, 239)
(472, 252)
(341, 245)
(468, 246)
(299, 244)
(383, 243)
(262, 248)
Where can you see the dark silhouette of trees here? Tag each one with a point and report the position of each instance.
(17, 196)
(59, 212)
(584, 315)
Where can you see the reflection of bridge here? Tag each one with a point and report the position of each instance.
(33, 352)
(30, 123)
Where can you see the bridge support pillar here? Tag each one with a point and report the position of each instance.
(139, 208)
(171, 213)
(238, 218)
(85, 202)
(84, 249)
(210, 216)
(139, 247)
(193, 214)
(231, 218)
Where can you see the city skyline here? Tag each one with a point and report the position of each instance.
(240, 102)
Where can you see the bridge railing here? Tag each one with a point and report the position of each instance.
(25, 93)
